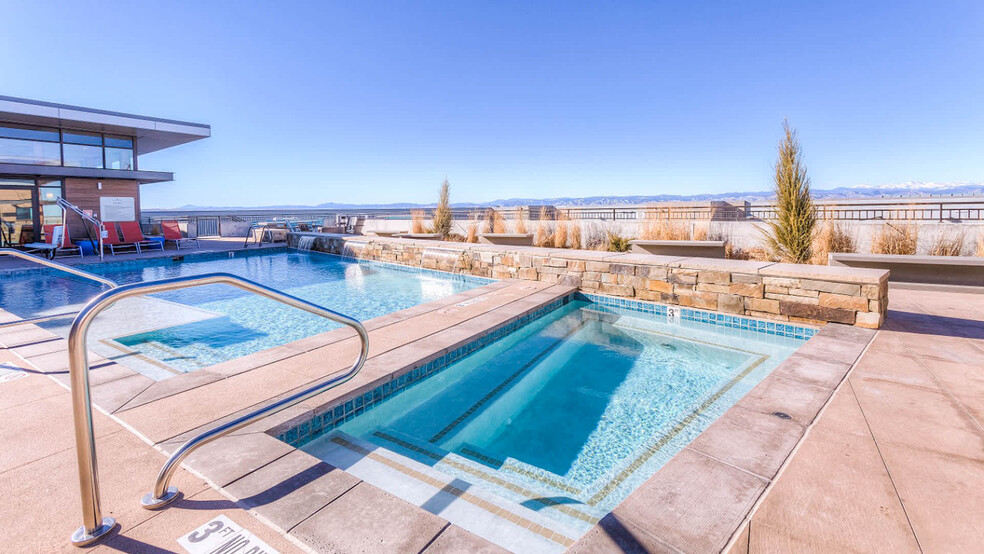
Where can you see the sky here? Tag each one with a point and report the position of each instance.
(378, 102)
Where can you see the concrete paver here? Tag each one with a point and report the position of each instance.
(896, 461)
(454, 539)
(368, 519)
(292, 488)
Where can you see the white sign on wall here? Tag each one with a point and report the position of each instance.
(117, 208)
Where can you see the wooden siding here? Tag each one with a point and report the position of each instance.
(85, 194)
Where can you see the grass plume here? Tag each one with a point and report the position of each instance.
(895, 239)
(544, 237)
(832, 237)
(521, 226)
(948, 243)
(575, 235)
(560, 232)
(417, 221)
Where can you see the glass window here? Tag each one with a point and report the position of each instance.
(51, 212)
(16, 216)
(29, 152)
(119, 158)
(119, 142)
(23, 132)
(77, 155)
(79, 137)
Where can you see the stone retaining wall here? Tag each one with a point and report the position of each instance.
(783, 292)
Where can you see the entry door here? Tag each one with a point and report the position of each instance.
(17, 215)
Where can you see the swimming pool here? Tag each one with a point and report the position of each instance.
(179, 331)
(556, 422)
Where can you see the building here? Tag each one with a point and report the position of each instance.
(87, 156)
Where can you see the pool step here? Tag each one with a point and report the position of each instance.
(455, 498)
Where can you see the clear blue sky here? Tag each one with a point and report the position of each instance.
(377, 102)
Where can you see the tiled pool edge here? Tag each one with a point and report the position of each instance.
(702, 499)
(711, 318)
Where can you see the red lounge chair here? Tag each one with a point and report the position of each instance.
(172, 233)
(67, 247)
(113, 241)
(132, 233)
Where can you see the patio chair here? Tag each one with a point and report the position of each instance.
(113, 241)
(53, 236)
(132, 233)
(172, 233)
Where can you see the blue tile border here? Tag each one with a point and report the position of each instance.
(777, 328)
(334, 415)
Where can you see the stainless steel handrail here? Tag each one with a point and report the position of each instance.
(94, 526)
(55, 265)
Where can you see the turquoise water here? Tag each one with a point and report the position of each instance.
(577, 407)
(230, 322)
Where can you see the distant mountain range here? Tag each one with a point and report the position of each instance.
(904, 190)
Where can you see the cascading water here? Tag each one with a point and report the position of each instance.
(306, 242)
(440, 257)
(353, 249)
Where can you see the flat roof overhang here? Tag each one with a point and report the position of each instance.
(153, 133)
(36, 171)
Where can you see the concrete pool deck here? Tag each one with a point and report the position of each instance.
(895, 459)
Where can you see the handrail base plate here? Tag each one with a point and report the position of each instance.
(81, 538)
(151, 502)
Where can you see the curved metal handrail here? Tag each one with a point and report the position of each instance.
(55, 265)
(94, 526)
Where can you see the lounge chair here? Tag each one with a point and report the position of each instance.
(53, 235)
(132, 233)
(113, 241)
(172, 233)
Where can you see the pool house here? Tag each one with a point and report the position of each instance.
(89, 157)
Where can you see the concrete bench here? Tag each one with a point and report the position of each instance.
(687, 248)
(506, 239)
(940, 270)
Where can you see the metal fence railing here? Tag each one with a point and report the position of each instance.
(218, 222)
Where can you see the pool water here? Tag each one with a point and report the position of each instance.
(219, 322)
(570, 413)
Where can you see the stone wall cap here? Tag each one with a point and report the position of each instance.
(721, 264)
(585, 255)
(646, 259)
(857, 275)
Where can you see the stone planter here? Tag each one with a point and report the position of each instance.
(506, 239)
(937, 270)
(686, 248)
